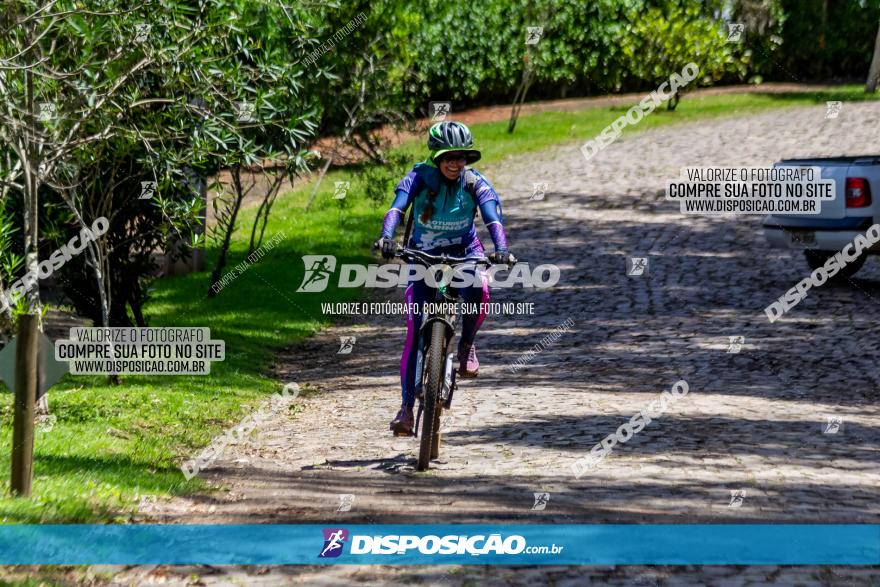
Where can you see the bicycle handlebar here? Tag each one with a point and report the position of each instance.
(427, 259)
(442, 259)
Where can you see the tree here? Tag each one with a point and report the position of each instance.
(661, 43)
(266, 120)
(364, 84)
(162, 82)
(874, 71)
(70, 74)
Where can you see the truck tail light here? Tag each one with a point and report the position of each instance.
(858, 192)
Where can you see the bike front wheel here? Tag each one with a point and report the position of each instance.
(434, 364)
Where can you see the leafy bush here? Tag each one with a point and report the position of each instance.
(10, 264)
(662, 42)
(477, 56)
(379, 181)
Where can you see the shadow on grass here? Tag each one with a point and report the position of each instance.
(90, 498)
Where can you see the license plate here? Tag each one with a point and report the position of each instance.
(803, 238)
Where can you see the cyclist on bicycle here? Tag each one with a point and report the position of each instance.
(445, 194)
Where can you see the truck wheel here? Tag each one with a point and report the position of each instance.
(816, 259)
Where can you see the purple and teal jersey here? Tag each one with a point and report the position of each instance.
(453, 206)
(444, 210)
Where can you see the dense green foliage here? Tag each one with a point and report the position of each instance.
(168, 92)
(477, 55)
(827, 40)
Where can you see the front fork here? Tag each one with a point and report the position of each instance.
(449, 372)
(424, 332)
(449, 382)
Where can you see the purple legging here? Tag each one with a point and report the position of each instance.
(418, 292)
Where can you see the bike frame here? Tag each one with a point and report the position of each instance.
(449, 320)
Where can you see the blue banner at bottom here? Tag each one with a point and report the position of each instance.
(527, 544)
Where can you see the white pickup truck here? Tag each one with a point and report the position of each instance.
(851, 212)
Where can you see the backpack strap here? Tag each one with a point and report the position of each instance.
(470, 183)
(409, 224)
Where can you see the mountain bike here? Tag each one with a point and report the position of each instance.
(435, 364)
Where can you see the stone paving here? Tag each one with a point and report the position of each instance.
(754, 421)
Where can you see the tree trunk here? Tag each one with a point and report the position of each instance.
(134, 302)
(235, 171)
(520, 95)
(262, 216)
(95, 259)
(874, 70)
(31, 202)
(31, 219)
(318, 183)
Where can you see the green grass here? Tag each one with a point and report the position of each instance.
(53, 575)
(111, 445)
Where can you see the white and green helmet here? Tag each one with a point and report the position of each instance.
(444, 137)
